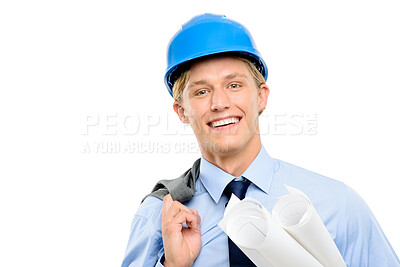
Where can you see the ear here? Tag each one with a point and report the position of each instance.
(263, 96)
(180, 111)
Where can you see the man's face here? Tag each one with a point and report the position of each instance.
(221, 102)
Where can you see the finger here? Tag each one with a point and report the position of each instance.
(167, 202)
(195, 223)
(185, 216)
(172, 208)
(175, 224)
(180, 206)
(195, 211)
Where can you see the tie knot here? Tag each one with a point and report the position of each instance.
(238, 188)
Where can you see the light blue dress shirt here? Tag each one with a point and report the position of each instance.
(348, 219)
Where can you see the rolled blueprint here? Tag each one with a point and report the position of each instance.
(254, 231)
(296, 214)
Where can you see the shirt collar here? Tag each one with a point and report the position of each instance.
(259, 172)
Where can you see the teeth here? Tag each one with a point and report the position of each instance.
(224, 122)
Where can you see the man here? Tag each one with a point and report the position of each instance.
(217, 78)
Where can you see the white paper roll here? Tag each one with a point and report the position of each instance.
(296, 214)
(254, 231)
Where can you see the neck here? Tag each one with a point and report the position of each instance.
(234, 161)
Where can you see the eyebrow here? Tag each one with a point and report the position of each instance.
(200, 82)
(234, 75)
(227, 77)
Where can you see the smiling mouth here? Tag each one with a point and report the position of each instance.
(224, 122)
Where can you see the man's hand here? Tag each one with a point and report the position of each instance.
(181, 245)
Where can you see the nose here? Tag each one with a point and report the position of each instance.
(220, 100)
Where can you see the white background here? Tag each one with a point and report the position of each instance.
(66, 64)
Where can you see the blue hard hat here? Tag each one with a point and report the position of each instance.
(205, 35)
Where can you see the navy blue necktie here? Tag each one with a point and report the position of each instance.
(236, 257)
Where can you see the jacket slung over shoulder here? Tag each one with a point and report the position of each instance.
(181, 189)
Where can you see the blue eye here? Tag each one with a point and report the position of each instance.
(201, 92)
(234, 85)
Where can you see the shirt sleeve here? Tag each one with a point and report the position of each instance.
(145, 247)
(361, 240)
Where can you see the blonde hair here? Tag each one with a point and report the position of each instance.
(183, 79)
